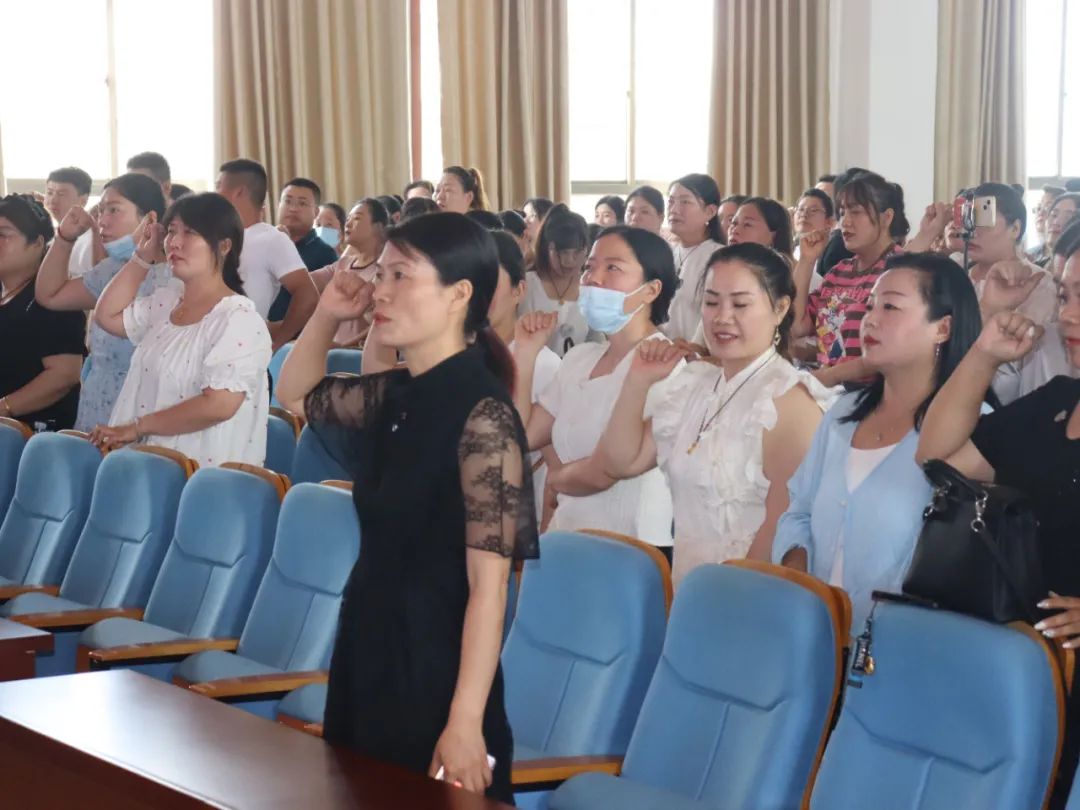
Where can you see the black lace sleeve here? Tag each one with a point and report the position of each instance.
(340, 409)
(496, 480)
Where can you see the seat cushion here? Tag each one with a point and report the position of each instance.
(122, 632)
(308, 703)
(213, 665)
(26, 603)
(592, 791)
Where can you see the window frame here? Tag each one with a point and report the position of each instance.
(1037, 182)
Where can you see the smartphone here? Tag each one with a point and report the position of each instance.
(985, 212)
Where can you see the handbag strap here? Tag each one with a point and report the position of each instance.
(979, 528)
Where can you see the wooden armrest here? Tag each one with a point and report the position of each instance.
(314, 729)
(559, 769)
(11, 591)
(76, 618)
(270, 683)
(151, 650)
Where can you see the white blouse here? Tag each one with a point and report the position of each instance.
(639, 507)
(684, 316)
(572, 330)
(719, 489)
(229, 349)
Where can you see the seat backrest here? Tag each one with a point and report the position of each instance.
(224, 532)
(958, 713)
(131, 522)
(280, 445)
(12, 441)
(587, 632)
(1074, 796)
(52, 497)
(294, 617)
(312, 461)
(740, 703)
(343, 361)
(276, 362)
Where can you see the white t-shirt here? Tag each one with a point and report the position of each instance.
(267, 257)
(860, 463)
(684, 315)
(229, 349)
(544, 371)
(639, 507)
(81, 260)
(572, 329)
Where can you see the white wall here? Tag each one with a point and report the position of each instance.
(883, 76)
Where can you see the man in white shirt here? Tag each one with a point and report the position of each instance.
(64, 189)
(269, 259)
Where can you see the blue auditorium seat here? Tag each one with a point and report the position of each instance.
(276, 362)
(129, 527)
(958, 713)
(343, 361)
(225, 528)
(313, 461)
(13, 436)
(739, 707)
(52, 498)
(293, 620)
(280, 444)
(587, 632)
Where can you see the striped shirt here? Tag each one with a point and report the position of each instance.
(837, 308)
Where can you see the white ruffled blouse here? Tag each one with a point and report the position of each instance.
(229, 349)
(719, 490)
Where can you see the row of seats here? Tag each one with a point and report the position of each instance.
(728, 703)
(338, 361)
(201, 577)
(297, 451)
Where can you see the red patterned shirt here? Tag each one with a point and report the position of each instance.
(837, 308)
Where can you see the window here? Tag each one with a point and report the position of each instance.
(1053, 91)
(640, 74)
(431, 154)
(62, 112)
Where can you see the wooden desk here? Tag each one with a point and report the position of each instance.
(19, 645)
(122, 741)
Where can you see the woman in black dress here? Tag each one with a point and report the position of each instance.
(443, 493)
(1032, 444)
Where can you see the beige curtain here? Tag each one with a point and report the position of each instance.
(505, 96)
(317, 88)
(979, 125)
(769, 127)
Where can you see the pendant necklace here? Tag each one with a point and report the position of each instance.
(705, 425)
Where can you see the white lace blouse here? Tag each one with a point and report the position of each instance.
(719, 490)
(229, 349)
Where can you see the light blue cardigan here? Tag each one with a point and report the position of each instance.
(880, 520)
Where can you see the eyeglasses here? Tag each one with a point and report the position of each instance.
(809, 212)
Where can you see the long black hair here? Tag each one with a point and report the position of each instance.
(140, 191)
(461, 250)
(877, 195)
(215, 219)
(511, 258)
(708, 193)
(773, 274)
(563, 229)
(657, 263)
(946, 290)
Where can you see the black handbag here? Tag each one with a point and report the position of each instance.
(978, 552)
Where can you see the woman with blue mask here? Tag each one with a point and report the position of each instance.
(330, 225)
(125, 201)
(625, 292)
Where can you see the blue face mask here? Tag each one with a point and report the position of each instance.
(121, 249)
(603, 308)
(329, 235)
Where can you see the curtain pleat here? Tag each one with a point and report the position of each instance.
(505, 98)
(979, 124)
(768, 132)
(317, 88)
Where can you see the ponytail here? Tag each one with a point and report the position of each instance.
(473, 183)
(497, 356)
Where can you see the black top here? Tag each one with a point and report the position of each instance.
(1027, 446)
(440, 465)
(316, 255)
(834, 253)
(28, 334)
